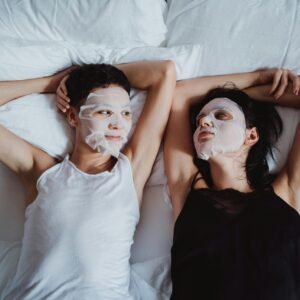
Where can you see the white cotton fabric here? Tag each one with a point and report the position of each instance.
(78, 234)
(237, 36)
(119, 24)
(200, 40)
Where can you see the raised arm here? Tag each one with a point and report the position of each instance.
(178, 146)
(159, 79)
(15, 153)
(288, 98)
(287, 183)
(10, 90)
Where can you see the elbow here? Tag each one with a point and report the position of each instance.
(161, 73)
(170, 68)
(168, 71)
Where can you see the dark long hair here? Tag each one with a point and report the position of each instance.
(258, 114)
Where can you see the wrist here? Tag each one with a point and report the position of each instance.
(49, 84)
(264, 76)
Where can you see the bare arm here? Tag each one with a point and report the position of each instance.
(178, 146)
(18, 155)
(287, 183)
(10, 90)
(193, 89)
(262, 93)
(159, 79)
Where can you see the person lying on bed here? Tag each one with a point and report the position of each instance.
(82, 212)
(237, 232)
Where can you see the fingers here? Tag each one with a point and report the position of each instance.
(61, 92)
(281, 79)
(62, 85)
(62, 101)
(284, 80)
(60, 107)
(296, 83)
(276, 80)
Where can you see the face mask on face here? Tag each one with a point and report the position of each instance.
(221, 128)
(106, 120)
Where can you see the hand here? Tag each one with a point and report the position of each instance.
(62, 100)
(55, 79)
(281, 79)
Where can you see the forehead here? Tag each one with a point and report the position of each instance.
(113, 96)
(222, 103)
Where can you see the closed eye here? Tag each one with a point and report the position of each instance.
(223, 115)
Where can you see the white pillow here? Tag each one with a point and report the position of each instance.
(23, 59)
(236, 35)
(117, 23)
(20, 59)
(36, 120)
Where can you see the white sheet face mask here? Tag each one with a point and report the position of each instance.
(221, 128)
(106, 120)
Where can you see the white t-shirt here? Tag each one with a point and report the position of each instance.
(78, 234)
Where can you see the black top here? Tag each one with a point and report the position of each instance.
(233, 245)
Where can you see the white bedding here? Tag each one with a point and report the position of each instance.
(38, 38)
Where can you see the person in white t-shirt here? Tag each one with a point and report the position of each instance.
(82, 212)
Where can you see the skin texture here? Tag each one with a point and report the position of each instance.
(157, 78)
(227, 169)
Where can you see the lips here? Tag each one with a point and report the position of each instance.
(113, 138)
(204, 135)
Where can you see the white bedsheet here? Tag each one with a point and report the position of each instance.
(204, 37)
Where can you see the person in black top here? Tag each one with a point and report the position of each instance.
(237, 229)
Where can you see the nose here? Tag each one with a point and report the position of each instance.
(205, 122)
(114, 126)
(116, 123)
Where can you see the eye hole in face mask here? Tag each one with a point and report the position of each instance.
(103, 113)
(106, 113)
(127, 114)
(223, 115)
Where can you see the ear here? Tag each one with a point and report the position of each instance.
(252, 136)
(72, 117)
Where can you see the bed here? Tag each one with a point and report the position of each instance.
(203, 37)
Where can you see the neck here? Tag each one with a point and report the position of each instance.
(228, 171)
(90, 161)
